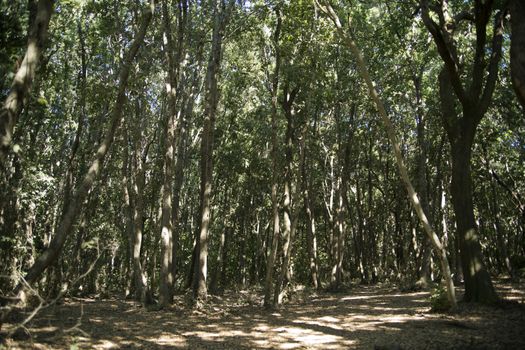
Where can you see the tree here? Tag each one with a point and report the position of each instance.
(221, 14)
(517, 47)
(474, 95)
(270, 262)
(21, 87)
(413, 197)
(75, 205)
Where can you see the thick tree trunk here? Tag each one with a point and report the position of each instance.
(478, 285)
(24, 77)
(461, 132)
(71, 214)
(517, 49)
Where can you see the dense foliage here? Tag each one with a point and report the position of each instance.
(342, 206)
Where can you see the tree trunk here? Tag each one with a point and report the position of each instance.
(127, 212)
(517, 49)
(478, 285)
(273, 244)
(289, 216)
(422, 186)
(412, 195)
(138, 181)
(221, 15)
(71, 214)
(340, 239)
(311, 239)
(24, 77)
(503, 256)
(166, 277)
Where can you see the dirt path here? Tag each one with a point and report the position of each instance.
(364, 317)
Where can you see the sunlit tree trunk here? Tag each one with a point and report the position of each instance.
(337, 270)
(128, 211)
(138, 179)
(24, 77)
(412, 195)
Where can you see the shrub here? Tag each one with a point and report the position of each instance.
(438, 300)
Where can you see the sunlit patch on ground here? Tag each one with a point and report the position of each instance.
(365, 317)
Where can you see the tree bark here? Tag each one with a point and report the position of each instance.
(424, 268)
(517, 49)
(311, 239)
(21, 86)
(478, 285)
(474, 98)
(221, 14)
(289, 216)
(273, 245)
(461, 133)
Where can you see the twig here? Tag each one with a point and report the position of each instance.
(42, 302)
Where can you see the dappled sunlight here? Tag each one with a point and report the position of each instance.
(365, 317)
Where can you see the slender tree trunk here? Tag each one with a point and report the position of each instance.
(221, 15)
(71, 214)
(517, 49)
(24, 77)
(288, 216)
(413, 197)
(128, 212)
(503, 256)
(174, 57)
(360, 245)
(311, 239)
(138, 181)
(339, 233)
(273, 244)
(422, 186)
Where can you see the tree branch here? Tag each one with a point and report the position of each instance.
(482, 11)
(445, 51)
(497, 40)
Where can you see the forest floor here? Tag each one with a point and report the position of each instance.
(363, 317)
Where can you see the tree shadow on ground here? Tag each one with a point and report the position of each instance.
(367, 317)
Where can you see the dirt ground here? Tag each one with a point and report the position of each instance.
(364, 317)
